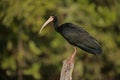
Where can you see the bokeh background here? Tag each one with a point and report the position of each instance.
(25, 55)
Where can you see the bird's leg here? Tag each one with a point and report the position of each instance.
(71, 59)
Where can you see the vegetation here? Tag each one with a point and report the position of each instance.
(26, 56)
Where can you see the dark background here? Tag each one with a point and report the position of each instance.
(26, 56)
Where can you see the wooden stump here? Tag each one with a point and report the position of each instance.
(67, 69)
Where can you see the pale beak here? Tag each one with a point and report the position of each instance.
(48, 21)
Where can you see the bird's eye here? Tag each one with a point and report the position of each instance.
(52, 16)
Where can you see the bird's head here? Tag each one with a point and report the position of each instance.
(50, 19)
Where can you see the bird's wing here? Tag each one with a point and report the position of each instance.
(79, 37)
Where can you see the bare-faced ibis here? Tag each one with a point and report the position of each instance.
(76, 36)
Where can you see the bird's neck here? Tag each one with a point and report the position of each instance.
(56, 25)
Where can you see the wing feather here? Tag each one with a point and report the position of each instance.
(77, 36)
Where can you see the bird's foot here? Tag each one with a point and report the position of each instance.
(71, 59)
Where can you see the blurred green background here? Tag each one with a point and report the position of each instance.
(26, 56)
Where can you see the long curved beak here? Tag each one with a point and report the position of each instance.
(48, 21)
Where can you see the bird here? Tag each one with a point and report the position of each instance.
(76, 36)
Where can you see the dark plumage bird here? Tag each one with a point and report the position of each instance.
(76, 36)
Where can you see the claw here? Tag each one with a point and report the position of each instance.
(71, 59)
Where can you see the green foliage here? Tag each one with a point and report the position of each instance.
(40, 57)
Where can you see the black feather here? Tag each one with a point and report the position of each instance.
(77, 36)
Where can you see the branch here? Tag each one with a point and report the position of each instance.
(67, 69)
